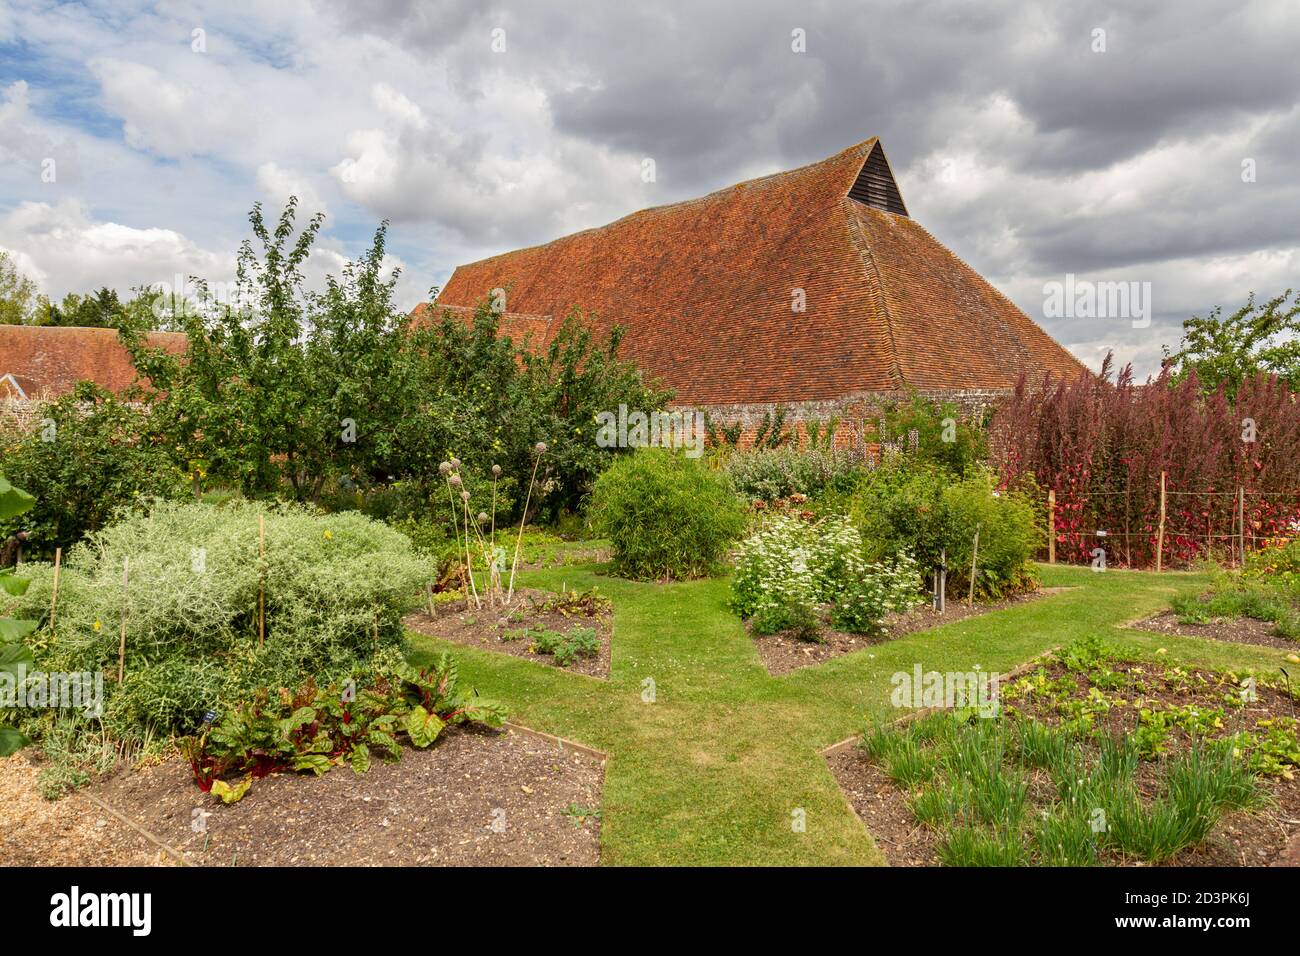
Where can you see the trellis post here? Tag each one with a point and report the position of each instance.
(1160, 532)
(1241, 523)
(1051, 526)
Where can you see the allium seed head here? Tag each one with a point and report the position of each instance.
(540, 448)
(464, 496)
(444, 468)
(496, 471)
(482, 517)
(454, 479)
(455, 463)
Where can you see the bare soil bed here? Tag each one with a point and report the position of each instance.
(786, 651)
(510, 630)
(1270, 836)
(476, 797)
(68, 832)
(1236, 630)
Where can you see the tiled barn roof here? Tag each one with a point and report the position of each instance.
(705, 289)
(47, 361)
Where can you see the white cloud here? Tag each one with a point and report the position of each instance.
(67, 249)
(278, 184)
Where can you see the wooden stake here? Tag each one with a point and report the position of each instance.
(1241, 523)
(54, 595)
(1160, 532)
(1051, 526)
(261, 583)
(974, 557)
(121, 644)
(943, 580)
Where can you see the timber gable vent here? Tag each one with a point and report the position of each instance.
(875, 185)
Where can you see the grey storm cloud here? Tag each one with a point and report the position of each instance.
(1015, 141)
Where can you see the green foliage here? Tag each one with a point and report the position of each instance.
(722, 434)
(666, 515)
(90, 454)
(568, 647)
(316, 729)
(13, 653)
(20, 302)
(925, 513)
(769, 474)
(968, 780)
(1257, 338)
(280, 387)
(1267, 589)
(336, 587)
(931, 434)
(771, 431)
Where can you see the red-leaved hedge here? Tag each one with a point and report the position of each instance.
(1101, 444)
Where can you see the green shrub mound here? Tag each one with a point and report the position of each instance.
(932, 517)
(335, 589)
(665, 515)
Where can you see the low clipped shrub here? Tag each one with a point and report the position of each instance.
(785, 571)
(665, 515)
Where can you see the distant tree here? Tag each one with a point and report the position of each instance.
(20, 301)
(96, 310)
(1258, 337)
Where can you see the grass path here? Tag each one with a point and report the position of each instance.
(711, 771)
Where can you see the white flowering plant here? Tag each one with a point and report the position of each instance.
(789, 568)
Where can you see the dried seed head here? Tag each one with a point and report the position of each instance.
(454, 479)
(445, 468)
(496, 471)
(464, 496)
(482, 517)
(540, 448)
(455, 463)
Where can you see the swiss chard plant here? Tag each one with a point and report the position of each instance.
(315, 729)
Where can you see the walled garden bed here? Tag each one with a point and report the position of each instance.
(570, 629)
(786, 651)
(1094, 760)
(477, 797)
(1237, 630)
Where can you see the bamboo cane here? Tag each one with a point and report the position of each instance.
(261, 581)
(974, 557)
(121, 644)
(54, 594)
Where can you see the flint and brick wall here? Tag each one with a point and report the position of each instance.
(858, 415)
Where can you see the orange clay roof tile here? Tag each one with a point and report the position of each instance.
(705, 288)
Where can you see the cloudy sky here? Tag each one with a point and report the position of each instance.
(1136, 142)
